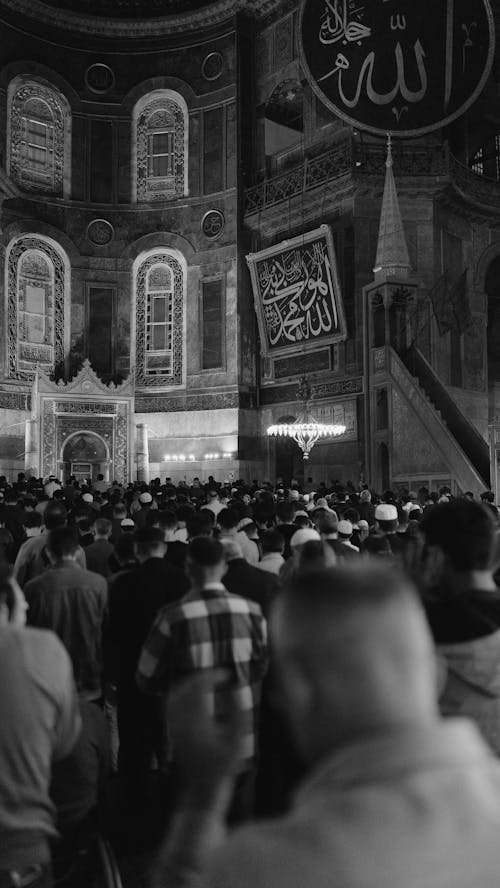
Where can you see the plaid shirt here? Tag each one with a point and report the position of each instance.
(211, 629)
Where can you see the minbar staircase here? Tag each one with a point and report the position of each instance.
(465, 450)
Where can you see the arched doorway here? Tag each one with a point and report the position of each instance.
(85, 455)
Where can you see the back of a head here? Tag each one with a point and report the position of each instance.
(272, 541)
(205, 552)
(167, 520)
(463, 530)
(200, 524)
(149, 541)
(103, 527)
(285, 512)
(358, 637)
(228, 519)
(63, 542)
(32, 519)
(55, 515)
(329, 523)
(124, 548)
(315, 554)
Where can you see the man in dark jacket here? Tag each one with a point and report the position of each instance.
(242, 578)
(135, 599)
(73, 603)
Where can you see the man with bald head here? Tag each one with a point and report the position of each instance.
(395, 796)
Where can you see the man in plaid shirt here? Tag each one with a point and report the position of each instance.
(212, 629)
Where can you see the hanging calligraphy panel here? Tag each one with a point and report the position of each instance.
(397, 66)
(297, 294)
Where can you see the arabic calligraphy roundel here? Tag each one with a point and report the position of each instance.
(400, 66)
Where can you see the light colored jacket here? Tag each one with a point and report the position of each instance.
(412, 809)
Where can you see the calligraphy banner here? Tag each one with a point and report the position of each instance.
(342, 413)
(401, 66)
(297, 294)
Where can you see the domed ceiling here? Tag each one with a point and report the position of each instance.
(128, 8)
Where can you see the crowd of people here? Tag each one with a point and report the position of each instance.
(307, 680)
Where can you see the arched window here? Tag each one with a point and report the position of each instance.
(160, 320)
(38, 150)
(35, 306)
(160, 142)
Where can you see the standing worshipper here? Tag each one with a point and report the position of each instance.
(212, 628)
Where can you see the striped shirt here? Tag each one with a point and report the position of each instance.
(211, 629)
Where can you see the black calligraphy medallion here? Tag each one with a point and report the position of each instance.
(400, 66)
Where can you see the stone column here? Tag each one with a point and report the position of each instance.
(31, 462)
(142, 453)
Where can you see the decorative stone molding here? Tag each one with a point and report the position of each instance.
(212, 224)
(99, 78)
(210, 15)
(218, 401)
(212, 66)
(100, 232)
(288, 393)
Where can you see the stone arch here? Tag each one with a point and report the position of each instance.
(146, 374)
(36, 305)
(85, 446)
(38, 149)
(160, 147)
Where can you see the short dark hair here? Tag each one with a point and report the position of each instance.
(124, 548)
(205, 551)
(285, 512)
(55, 515)
(388, 526)
(184, 511)
(273, 541)
(228, 518)
(147, 539)
(167, 520)
(463, 530)
(32, 519)
(103, 526)
(63, 541)
(200, 523)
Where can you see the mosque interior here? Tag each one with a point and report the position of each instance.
(173, 186)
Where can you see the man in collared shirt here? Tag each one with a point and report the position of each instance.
(212, 629)
(395, 796)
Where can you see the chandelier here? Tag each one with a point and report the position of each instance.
(306, 430)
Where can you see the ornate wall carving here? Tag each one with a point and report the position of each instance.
(37, 139)
(162, 117)
(43, 270)
(49, 452)
(175, 377)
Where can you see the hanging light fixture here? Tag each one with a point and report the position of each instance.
(306, 430)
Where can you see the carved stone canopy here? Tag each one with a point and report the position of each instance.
(86, 383)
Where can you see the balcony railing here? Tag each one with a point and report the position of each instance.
(353, 158)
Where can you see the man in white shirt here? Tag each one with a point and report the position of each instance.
(395, 795)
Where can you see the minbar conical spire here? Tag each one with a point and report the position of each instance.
(392, 252)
